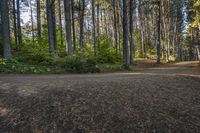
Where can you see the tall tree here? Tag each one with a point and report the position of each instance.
(5, 28)
(14, 21)
(38, 20)
(125, 36)
(94, 25)
(73, 25)
(115, 25)
(51, 26)
(32, 23)
(98, 25)
(131, 9)
(82, 14)
(141, 16)
(158, 26)
(60, 22)
(19, 32)
(1, 52)
(67, 4)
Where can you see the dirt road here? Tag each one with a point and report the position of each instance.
(155, 99)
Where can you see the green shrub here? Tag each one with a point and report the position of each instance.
(13, 66)
(111, 67)
(33, 54)
(81, 63)
(106, 53)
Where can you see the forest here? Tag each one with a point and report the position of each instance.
(83, 35)
(88, 35)
(99, 66)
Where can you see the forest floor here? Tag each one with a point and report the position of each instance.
(154, 99)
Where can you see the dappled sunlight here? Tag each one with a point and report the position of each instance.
(25, 91)
(4, 111)
(187, 63)
(4, 86)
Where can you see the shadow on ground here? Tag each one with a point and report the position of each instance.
(127, 103)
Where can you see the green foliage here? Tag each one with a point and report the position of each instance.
(137, 41)
(196, 21)
(34, 54)
(13, 66)
(1, 49)
(111, 67)
(150, 49)
(81, 62)
(106, 53)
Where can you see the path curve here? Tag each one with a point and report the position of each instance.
(158, 99)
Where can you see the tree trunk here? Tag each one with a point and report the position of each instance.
(5, 28)
(158, 26)
(51, 26)
(141, 13)
(94, 25)
(1, 52)
(19, 32)
(131, 9)
(73, 26)
(82, 5)
(67, 5)
(14, 22)
(32, 23)
(60, 21)
(38, 21)
(125, 36)
(98, 26)
(115, 25)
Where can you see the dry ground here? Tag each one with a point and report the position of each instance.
(154, 99)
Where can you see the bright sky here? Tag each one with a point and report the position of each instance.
(26, 13)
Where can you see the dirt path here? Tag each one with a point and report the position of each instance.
(158, 99)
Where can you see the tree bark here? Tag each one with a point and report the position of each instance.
(81, 40)
(67, 5)
(5, 28)
(60, 22)
(115, 25)
(73, 26)
(125, 36)
(32, 24)
(1, 42)
(158, 26)
(98, 26)
(38, 21)
(14, 21)
(131, 9)
(19, 32)
(94, 26)
(51, 26)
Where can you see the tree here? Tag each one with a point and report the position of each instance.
(38, 20)
(94, 25)
(19, 32)
(51, 26)
(115, 25)
(5, 28)
(158, 37)
(32, 23)
(60, 22)
(131, 9)
(14, 21)
(82, 11)
(67, 4)
(1, 52)
(73, 25)
(125, 36)
(98, 25)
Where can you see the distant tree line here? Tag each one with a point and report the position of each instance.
(137, 28)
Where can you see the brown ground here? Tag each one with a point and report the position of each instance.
(155, 99)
